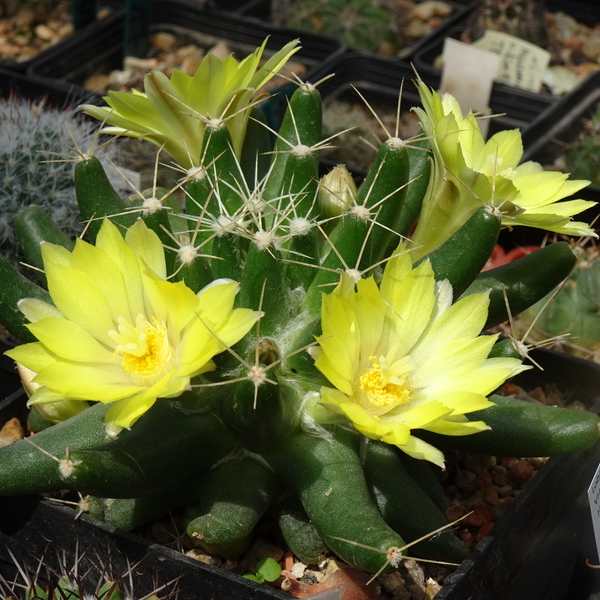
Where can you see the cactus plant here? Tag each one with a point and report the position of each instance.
(569, 314)
(32, 136)
(581, 156)
(525, 19)
(76, 582)
(363, 24)
(278, 336)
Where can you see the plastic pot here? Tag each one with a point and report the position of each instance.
(34, 88)
(534, 549)
(379, 81)
(103, 52)
(88, 30)
(520, 104)
(262, 10)
(531, 552)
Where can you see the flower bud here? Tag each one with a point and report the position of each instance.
(337, 192)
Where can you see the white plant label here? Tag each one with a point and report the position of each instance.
(523, 64)
(468, 75)
(594, 498)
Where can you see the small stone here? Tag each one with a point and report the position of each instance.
(455, 512)
(27, 53)
(96, 82)
(484, 530)
(499, 475)
(267, 550)
(202, 556)
(391, 582)
(466, 480)
(24, 19)
(144, 64)
(11, 432)
(44, 32)
(481, 515)
(505, 491)
(66, 30)
(221, 50)
(591, 46)
(297, 570)
(508, 462)
(510, 390)
(490, 493)
(536, 462)
(415, 570)
(331, 566)
(521, 472)
(417, 29)
(163, 41)
(432, 587)
(502, 506)
(190, 65)
(465, 535)
(430, 8)
(54, 24)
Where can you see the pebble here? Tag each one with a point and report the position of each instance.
(499, 475)
(430, 8)
(591, 46)
(164, 41)
(521, 472)
(27, 32)
(482, 514)
(209, 559)
(11, 432)
(44, 32)
(266, 550)
(466, 481)
(502, 506)
(505, 491)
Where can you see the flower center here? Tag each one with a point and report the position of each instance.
(147, 354)
(386, 386)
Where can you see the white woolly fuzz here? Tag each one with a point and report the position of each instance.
(362, 212)
(151, 205)
(198, 173)
(187, 254)
(301, 150)
(299, 226)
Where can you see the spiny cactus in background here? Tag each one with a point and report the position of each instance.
(582, 156)
(525, 19)
(571, 309)
(340, 363)
(87, 579)
(362, 24)
(31, 133)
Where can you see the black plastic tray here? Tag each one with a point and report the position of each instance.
(87, 31)
(73, 63)
(520, 104)
(262, 10)
(380, 80)
(533, 552)
(34, 88)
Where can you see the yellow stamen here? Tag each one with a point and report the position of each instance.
(383, 389)
(147, 354)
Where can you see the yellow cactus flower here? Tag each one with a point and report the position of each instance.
(468, 172)
(118, 331)
(172, 112)
(403, 357)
